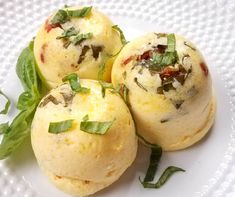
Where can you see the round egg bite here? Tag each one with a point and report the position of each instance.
(170, 89)
(78, 162)
(75, 42)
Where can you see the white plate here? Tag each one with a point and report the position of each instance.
(210, 164)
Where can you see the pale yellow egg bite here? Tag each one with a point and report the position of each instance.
(170, 89)
(59, 53)
(78, 162)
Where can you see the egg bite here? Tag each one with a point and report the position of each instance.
(76, 161)
(170, 89)
(76, 40)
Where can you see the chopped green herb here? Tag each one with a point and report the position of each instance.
(60, 127)
(7, 104)
(82, 56)
(60, 17)
(171, 43)
(80, 12)
(122, 37)
(114, 55)
(68, 33)
(81, 37)
(75, 85)
(95, 127)
(4, 128)
(104, 86)
(48, 99)
(156, 153)
(186, 44)
(163, 179)
(63, 16)
(96, 50)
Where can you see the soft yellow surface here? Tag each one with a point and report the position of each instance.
(185, 125)
(59, 61)
(76, 156)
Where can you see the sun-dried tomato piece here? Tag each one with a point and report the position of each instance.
(49, 26)
(125, 62)
(144, 56)
(204, 68)
(168, 72)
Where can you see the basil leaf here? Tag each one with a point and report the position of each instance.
(80, 12)
(75, 85)
(27, 99)
(122, 37)
(155, 157)
(68, 33)
(104, 86)
(81, 37)
(163, 179)
(59, 127)
(95, 127)
(26, 68)
(60, 17)
(7, 104)
(4, 128)
(169, 58)
(171, 43)
(16, 132)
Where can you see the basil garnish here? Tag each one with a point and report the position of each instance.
(122, 37)
(15, 133)
(4, 127)
(7, 104)
(163, 179)
(95, 127)
(169, 57)
(75, 85)
(59, 127)
(81, 37)
(62, 16)
(101, 71)
(68, 33)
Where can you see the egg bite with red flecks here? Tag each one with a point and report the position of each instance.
(169, 89)
(78, 40)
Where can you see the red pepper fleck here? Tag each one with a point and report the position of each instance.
(144, 56)
(169, 72)
(128, 60)
(49, 27)
(42, 58)
(204, 68)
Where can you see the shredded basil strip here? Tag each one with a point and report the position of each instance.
(80, 12)
(81, 37)
(60, 127)
(95, 127)
(170, 57)
(156, 153)
(60, 17)
(122, 37)
(75, 85)
(101, 71)
(7, 104)
(68, 33)
(63, 16)
(163, 179)
(171, 43)
(104, 85)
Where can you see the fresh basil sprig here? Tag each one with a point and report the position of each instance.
(15, 133)
(95, 127)
(59, 127)
(68, 33)
(63, 16)
(7, 104)
(75, 85)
